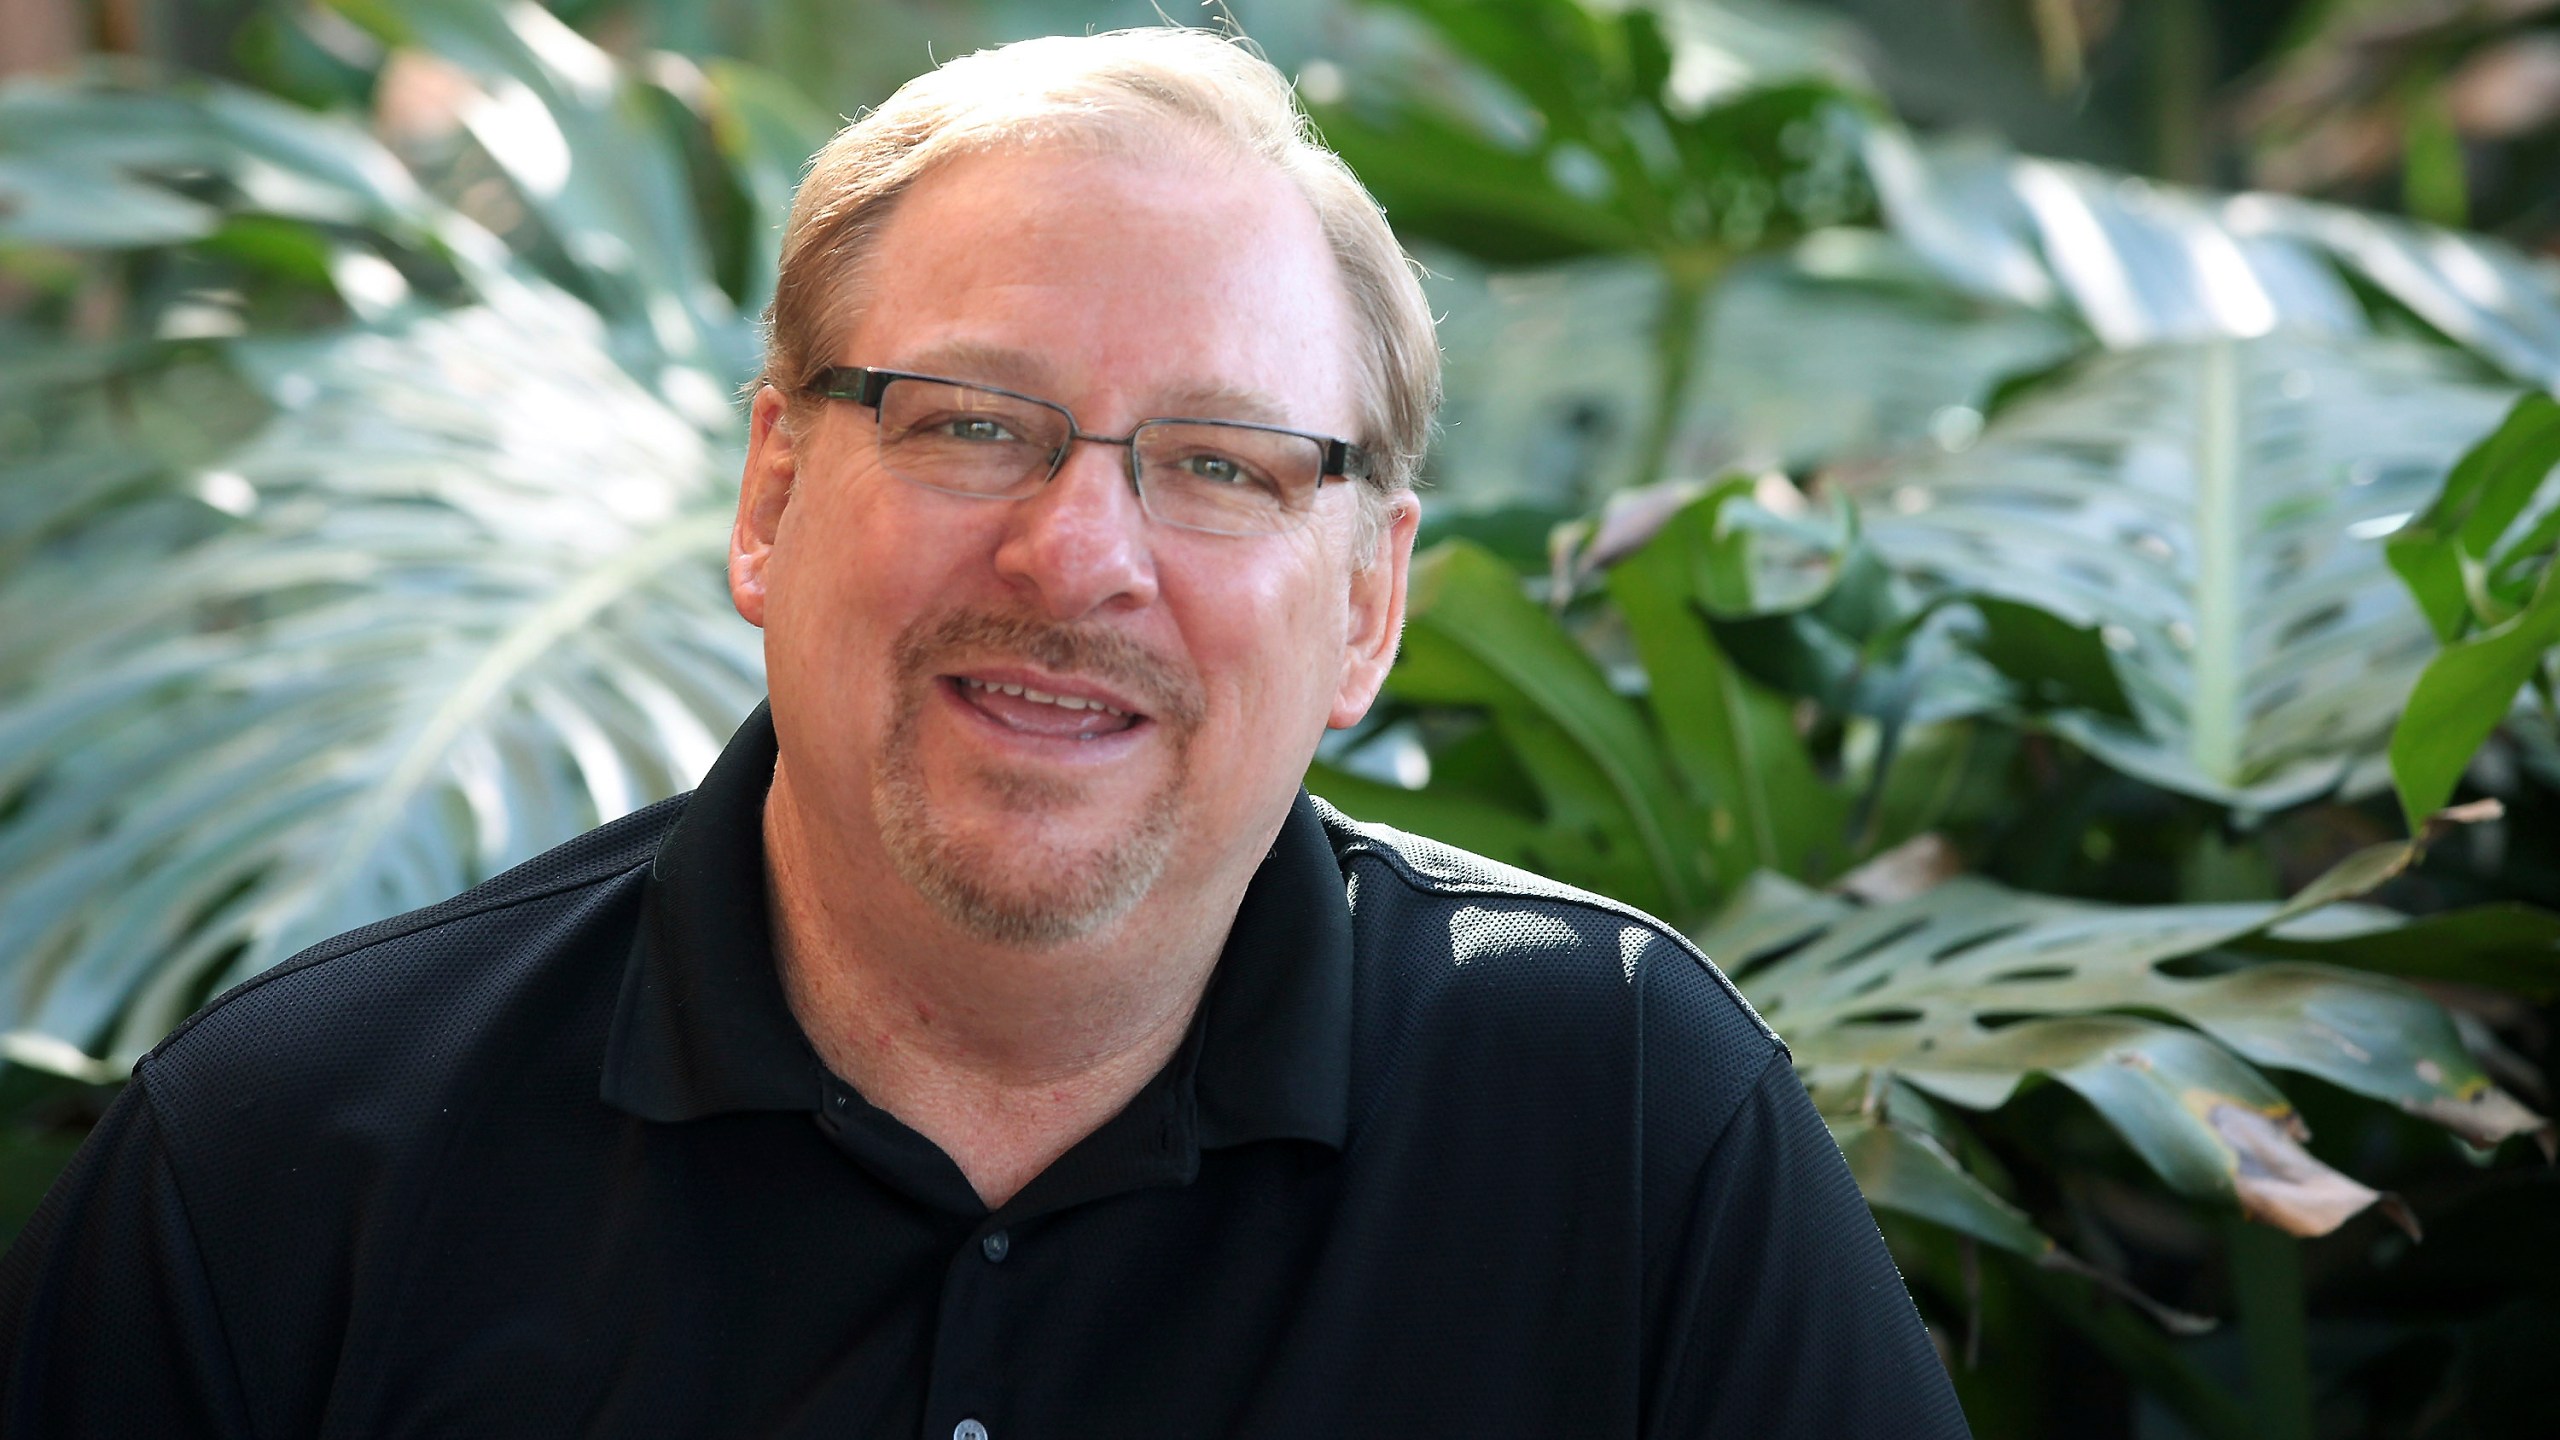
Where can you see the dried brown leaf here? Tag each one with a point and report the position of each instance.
(1916, 866)
(2484, 1117)
(2278, 1181)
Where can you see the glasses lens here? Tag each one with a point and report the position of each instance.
(967, 440)
(1228, 479)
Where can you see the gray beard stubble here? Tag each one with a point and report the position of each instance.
(1004, 897)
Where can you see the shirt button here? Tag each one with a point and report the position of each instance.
(995, 1247)
(968, 1430)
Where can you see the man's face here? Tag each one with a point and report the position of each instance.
(911, 634)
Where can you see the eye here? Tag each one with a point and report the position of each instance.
(1217, 469)
(977, 429)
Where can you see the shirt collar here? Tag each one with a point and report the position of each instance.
(702, 1028)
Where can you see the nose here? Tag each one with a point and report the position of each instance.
(1081, 544)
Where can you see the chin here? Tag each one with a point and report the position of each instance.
(1010, 879)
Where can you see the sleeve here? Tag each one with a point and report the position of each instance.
(1784, 1316)
(108, 1323)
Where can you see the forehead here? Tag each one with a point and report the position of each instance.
(1129, 282)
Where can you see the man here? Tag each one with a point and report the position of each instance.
(999, 1043)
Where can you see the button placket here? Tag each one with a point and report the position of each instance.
(970, 1375)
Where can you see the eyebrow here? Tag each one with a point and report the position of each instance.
(1022, 370)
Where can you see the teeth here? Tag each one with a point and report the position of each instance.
(1063, 702)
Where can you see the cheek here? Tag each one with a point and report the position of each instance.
(842, 594)
(1272, 638)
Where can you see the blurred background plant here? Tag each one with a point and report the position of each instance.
(2012, 520)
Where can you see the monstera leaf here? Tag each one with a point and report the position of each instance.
(1840, 349)
(2140, 263)
(2215, 511)
(1969, 991)
(395, 545)
(416, 659)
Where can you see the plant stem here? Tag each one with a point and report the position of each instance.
(1688, 276)
(2217, 681)
(2152, 1360)
(2266, 1289)
(2182, 65)
(2434, 183)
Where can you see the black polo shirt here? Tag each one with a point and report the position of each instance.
(1447, 1151)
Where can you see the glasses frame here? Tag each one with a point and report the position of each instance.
(865, 386)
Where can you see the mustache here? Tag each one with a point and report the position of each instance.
(1166, 691)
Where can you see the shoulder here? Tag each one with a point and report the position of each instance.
(401, 1006)
(1443, 929)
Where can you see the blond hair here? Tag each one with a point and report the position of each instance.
(1140, 90)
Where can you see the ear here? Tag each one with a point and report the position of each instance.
(773, 465)
(1377, 614)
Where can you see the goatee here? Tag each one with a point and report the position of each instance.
(986, 884)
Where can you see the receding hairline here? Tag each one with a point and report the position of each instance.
(1198, 142)
(1008, 366)
(1148, 91)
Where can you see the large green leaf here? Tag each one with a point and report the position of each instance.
(2136, 262)
(370, 610)
(1731, 740)
(2461, 556)
(2481, 559)
(2484, 295)
(1906, 1170)
(598, 152)
(2143, 264)
(1473, 640)
(1661, 793)
(1969, 991)
(2510, 947)
(1838, 350)
(417, 659)
(2215, 512)
(45, 204)
(2464, 692)
(574, 132)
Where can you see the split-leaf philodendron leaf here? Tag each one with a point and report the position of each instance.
(1970, 990)
(382, 588)
(2216, 511)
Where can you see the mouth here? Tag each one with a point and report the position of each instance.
(1054, 710)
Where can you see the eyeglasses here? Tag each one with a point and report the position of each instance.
(1226, 477)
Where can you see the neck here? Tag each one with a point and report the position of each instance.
(1004, 1056)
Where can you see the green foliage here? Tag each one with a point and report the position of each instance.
(1552, 128)
(1532, 130)
(2210, 509)
(2480, 562)
(1663, 798)
(2121, 616)
(387, 478)
(1733, 742)
(1966, 989)
(348, 642)
(1606, 805)
(1969, 990)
